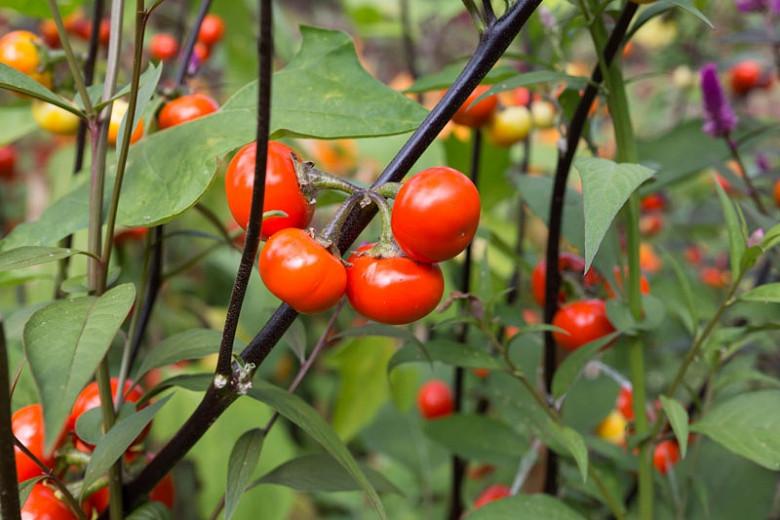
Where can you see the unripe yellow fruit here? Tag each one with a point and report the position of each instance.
(118, 112)
(656, 34)
(683, 77)
(54, 119)
(509, 126)
(543, 113)
(613, 428)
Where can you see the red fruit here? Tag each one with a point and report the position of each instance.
(164, 492)
(184, 109)
(99, 500)
(135, 234)
(567, 262)
(714, 277)
(625, 403)
(653, 202)
(435, 214)
(49, 33)
(201, 52)
(481, 471)
(163, 47)
(650, 225)
(693, 255)
(89, 398)
(481, 373)
(776, 193)
(745, 76)
(27, 425)
(7, 162)
(666, 455)
(478, 114)
(282, 191)
(435, 399)
(211, 30)
(393, 290)
(301, 272)
(584, 320)
(491, 494)
(43, 504)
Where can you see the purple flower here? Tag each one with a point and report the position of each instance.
(756, 237)
(762, 163)
(719, 118)
(774, 7)
(751, 6)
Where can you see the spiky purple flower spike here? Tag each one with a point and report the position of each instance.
(719, 118)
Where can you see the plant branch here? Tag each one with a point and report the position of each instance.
(9, 489)
(751, 188)
(565, 158)
(493, 44)
(185, 54)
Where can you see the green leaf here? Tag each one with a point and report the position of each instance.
(305, 417)
(747, 425)
(15, 122)
(190, 344)
(65, 341)
(525, 507)
(25, 488)
(146, 89)
(241, 464)
(475, 436)
(574, 444)
(38, 8)
(570, 369)
(692, 319)
(116, 441)
(737, 237)
(319, 472)
(678, 418)
(769, 293)
(662, 6)
(15, 81)
(150, 511)
(621, 318)
(28, 256)
(606, 186)
(448, 352)
(445, 77)
(535, 78)
(192, 382)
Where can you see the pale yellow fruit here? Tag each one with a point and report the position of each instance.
(543, 113)
(509, 126)
(656, 33)
(54, 119)
(613, 428)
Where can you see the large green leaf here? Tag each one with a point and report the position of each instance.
(305, 417)
(319, 472)
(363, 387)
(678, 418)
(15, 122)
(116, 441)
(477, 437)
(241, 464)
(65, 341)
(28, 256)
(748, 425)
(190, 344)
(525, 507)
(736, 231)
(12, 79)
(448, 352)
(768, 293)
(606, 186)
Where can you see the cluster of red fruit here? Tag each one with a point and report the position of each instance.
(28, 428)
(165, 47)
(395, 281)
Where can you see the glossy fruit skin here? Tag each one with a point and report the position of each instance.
(510, 125)
(54, 119)
(434, 399)
(163, 47)
(301, 272)
(584, 320)
(7, 162)
(666, 455)
(282, 191)
(89, 398)
(613, 428)
(745, 76)
(435, 214)
(543, 114)
(211, 30)
(477, 115)
(117, 113)
(164, 492)
(20, 50)
(43, 504)
(184, 109)
(653, 202)
(27, 425)
(625, 402)
(567, 262)
(394, 290)
(491, 494)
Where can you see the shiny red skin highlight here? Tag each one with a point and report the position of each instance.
(491, 494)
(27, 426)
(434, 400)
(185, 109)
(584, 320)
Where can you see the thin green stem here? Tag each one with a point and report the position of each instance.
(751, 188)
(73, 64)
(386, 236)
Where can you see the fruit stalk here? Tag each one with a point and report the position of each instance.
(265, 52)
(192, 38)
(492, 46)
(9, 491)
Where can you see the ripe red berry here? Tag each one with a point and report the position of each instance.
(211, 30)
(43, 504)
(666, 455)
(584, 320)
(185, 109)
(163, 47)
(89, 398)
(478, 114)
(567, 263)
(745, 76)
(7, 162)
(435, 399)
(625, 403)
(491, 494)
(27, 426)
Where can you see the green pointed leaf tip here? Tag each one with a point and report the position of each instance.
(606, 186)
(678, 418)
(64, 342)
(241, 465)
(747, 425)
(315, 95)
